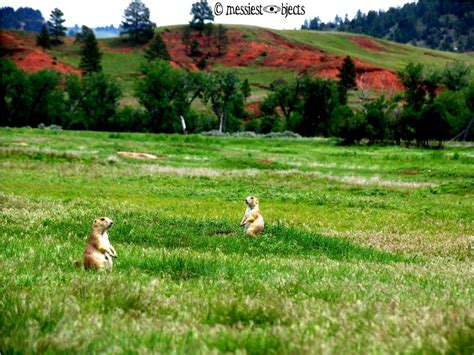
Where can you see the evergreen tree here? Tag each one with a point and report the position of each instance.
(222, 40)
(55, 26)
(195, 49)
(245, 88)
(347, 74)
(201, 12)
(137, 22)
(186, 39)
(157, 49)
(90, 54)
(43, 39)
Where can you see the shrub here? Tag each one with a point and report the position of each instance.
(347, 125)
(129, 119)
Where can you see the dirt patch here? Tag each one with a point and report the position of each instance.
(409, 172)
(9, 41)
(253, 109)
(274, 51)
(30, 58)
(367, 43)
(35, 60)
(136, 155)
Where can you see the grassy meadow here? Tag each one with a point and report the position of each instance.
(365, 249)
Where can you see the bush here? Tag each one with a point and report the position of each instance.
(129, 119)
(432, 125)
(162, 94)
(30, 99)
(91, 102)
(377, 120)
(197, 122)
(347, 125)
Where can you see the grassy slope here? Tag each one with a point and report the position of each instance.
(366, 249)
(396, 56)
(125, 66)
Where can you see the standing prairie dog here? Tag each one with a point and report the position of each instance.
(99, 252)
(253, 219)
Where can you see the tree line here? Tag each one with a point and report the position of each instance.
(24, 18)
(436, 105)
(436, 24)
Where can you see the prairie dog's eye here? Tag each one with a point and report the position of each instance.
(102, 219)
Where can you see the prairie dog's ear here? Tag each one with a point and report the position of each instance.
(255, 200)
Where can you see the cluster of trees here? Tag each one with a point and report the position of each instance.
(48, 97)
(53, 31)
(437, 24)
(435, 106)
(24, 18)
(92, 102)
(202, 40)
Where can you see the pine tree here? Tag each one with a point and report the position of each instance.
(43, 39)
(137, 22)
(55, 26)
(186, 38)
(347, 74)
(245, 89)
(201, 12)
(157, 49)
(90, 54)
(195, 49)
(222, 40)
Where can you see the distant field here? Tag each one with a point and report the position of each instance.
(366, 249)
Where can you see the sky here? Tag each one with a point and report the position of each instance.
(94, 13)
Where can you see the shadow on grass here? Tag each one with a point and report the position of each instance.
(212, 235)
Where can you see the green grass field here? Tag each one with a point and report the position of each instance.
(365, 250)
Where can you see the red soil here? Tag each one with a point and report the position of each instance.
(274, 51)
(31, 59)
(253, 109)
(270, 50)
(367, 43)
(36, 60)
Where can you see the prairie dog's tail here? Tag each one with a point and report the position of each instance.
(78, 263)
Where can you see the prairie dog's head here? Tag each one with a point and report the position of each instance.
(251, 201)
(101, 224)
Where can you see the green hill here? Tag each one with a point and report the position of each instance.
(263, 55)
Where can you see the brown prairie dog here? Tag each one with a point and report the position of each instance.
(253, 219)
(99, 252)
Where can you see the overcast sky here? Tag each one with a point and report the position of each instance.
(95, 13)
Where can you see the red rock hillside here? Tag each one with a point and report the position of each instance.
(274, 51)
(29, 58)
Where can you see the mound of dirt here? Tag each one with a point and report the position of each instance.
(29, 58)
(136, 155)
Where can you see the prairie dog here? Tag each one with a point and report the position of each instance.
(99, 252)
(253, 219)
